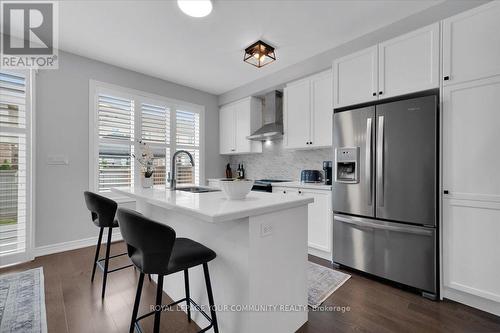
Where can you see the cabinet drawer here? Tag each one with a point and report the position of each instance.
(393, 251)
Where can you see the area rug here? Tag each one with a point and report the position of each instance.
(322, 282)
(22, 302)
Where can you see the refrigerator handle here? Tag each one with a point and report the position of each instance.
(368, 160)
(380, 161)
(372, 225)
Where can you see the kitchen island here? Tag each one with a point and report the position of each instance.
(259, 277)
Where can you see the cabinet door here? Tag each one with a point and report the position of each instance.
(471, 209)
(227, 124)
(297, 115)
(242, 121)
(409, 63)
(248, 118)
(319, 221)
(355, 78)
(471, 44)
(322, 110)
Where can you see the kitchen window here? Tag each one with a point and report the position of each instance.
(120, 117)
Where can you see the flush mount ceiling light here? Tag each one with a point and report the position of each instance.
(259, 54)
(195, 8)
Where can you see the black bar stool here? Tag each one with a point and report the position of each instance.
(102, 211)
(154, 249)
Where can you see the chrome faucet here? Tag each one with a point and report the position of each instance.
(172, 177)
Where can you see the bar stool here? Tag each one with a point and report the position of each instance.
(102, 211)
(154, 249)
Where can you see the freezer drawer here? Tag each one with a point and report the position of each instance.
(395, 251)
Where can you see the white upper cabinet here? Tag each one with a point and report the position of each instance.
(297, 114)
(355, 78)
(237, 121)
(227, 130)
(322, 109)
(471, 44)
(402, 65)
(409, 63)
(307, 113)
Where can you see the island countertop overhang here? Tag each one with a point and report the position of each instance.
(213, 206)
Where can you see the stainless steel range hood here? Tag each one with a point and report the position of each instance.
(273, 118)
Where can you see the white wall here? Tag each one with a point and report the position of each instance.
(62, 128)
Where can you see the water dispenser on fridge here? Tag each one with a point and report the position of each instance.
(347, 165)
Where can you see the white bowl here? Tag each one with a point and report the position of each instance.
(236, 189)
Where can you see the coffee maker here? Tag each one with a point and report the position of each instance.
(327, 168)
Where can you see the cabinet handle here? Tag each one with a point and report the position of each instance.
(284, 192)
(446, 78)
(446, 192)
(300, 192)
(380, 92)
(374, 94)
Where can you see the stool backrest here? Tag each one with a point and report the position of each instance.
(102, 209)
(149, 241)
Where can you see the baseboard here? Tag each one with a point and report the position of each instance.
(73, 245)
(472, 301)
(319, 253)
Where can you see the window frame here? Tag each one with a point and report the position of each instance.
(30, 133)
(138, 97)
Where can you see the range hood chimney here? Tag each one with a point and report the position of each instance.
(273, 118)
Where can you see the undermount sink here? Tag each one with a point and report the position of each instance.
(197, 189)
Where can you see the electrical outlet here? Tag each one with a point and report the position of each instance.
(266, 229)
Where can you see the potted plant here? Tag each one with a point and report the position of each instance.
(145, 159)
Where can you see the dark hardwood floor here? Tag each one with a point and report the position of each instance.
(74, 304)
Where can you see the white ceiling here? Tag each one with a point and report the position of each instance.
(156, 38)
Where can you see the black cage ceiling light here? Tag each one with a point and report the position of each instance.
(259, 54)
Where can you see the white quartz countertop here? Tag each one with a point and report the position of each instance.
(313, 186)
(213, 206)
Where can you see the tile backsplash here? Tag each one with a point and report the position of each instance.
(275, 162)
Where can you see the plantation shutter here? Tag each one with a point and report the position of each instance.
(14, 131)
(155, 128)
(187, 135)
(116, 134)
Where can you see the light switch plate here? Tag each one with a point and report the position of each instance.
(57, 160)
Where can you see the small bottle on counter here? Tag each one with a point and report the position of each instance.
(242, 172)
(238, 172)
(229, 172)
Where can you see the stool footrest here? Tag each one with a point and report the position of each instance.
(197, 307)
(98, 262)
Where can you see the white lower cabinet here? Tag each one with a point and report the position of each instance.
(320, 219)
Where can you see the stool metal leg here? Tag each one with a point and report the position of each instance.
(136, 302)
(97, 253)
(159, 292)
(186, 285)
(210, 298)
(106, 262)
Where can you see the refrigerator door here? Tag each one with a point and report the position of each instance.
(353, 149)
(406, 160)
(395, 251)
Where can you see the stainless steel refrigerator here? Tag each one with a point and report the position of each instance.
(385, 190)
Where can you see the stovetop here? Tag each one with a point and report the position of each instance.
(264, 185)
